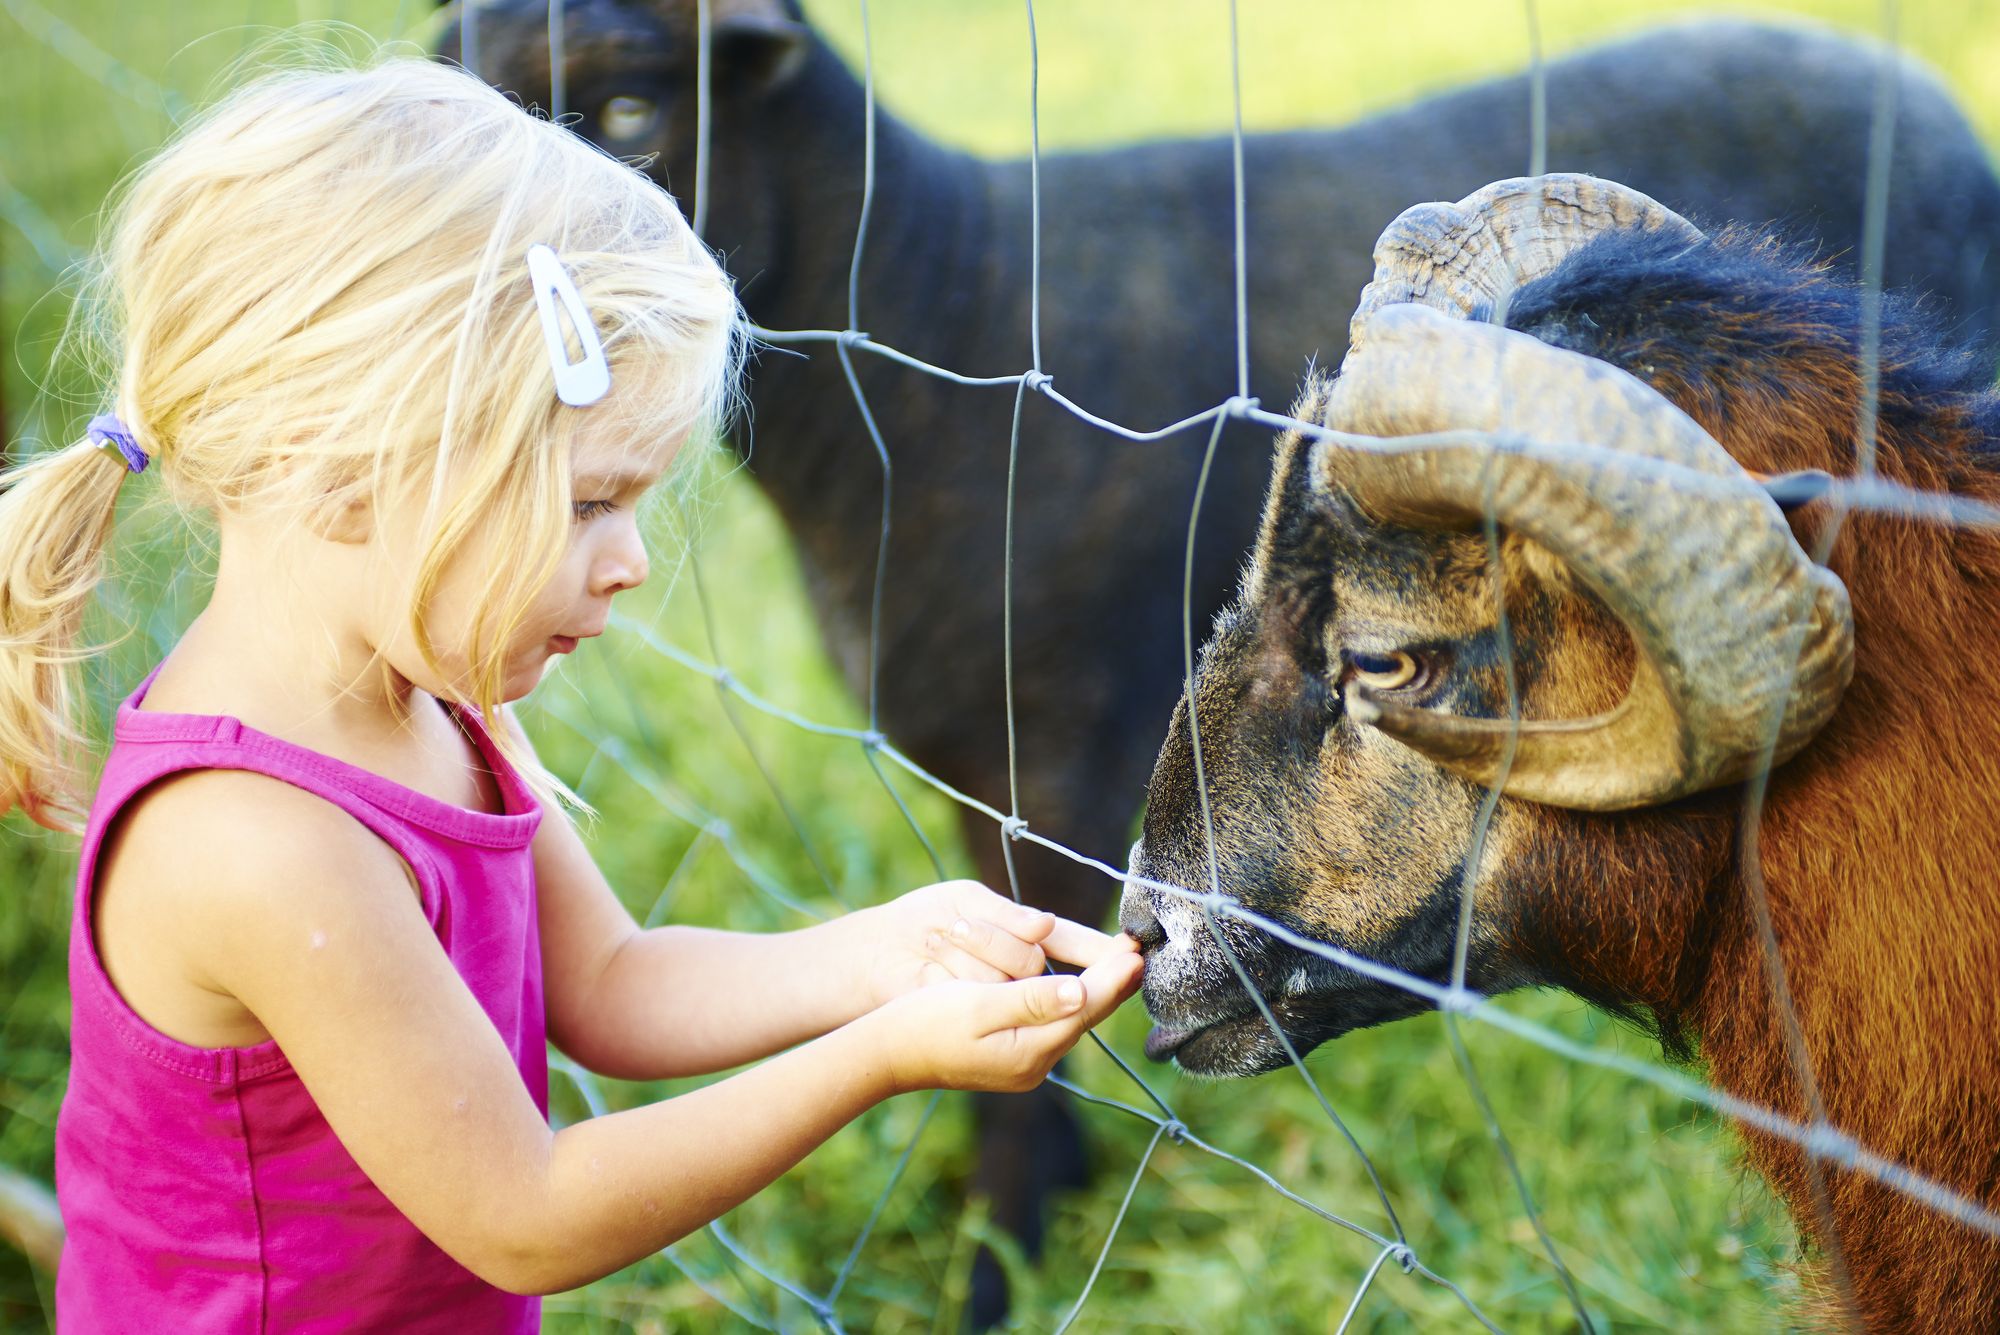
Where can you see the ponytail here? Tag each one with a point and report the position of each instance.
(55, 519)
(315, 296)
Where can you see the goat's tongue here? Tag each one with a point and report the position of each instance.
(1162, 1043)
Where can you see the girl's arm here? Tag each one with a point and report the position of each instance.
(678, 1001)
(623, 1186)
(287, 904)
(675, 1001)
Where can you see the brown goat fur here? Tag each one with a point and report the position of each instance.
(1876, 849)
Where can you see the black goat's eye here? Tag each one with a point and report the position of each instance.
(627, 118)
(1384, 672)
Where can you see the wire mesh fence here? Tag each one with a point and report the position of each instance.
(763, 1293)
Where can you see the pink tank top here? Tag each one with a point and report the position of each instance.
(201, 1187)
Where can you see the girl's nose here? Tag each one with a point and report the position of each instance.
(622, 563)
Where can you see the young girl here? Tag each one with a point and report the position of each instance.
(420, 354)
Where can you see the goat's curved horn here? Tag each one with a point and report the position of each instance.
(1733, 623)
(1460, 258)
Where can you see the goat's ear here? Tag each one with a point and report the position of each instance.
(759, 43)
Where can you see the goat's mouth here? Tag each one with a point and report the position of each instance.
(1238, 1041)
(1215, 1047)
(1241, 1041)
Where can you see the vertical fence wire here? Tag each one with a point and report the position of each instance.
(844, 350)
(1538, 95)
(1214, 928)
(1110, 1234)
(722, 679)
(704, 111)
(1236, 195)
(558, 64)
(1489, 805)
(1874, 227)
(468, 35)
(1034, 196)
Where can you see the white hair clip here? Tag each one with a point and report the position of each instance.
(579, 383)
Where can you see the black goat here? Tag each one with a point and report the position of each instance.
(1722, 120)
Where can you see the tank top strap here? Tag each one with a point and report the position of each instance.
(147, 745)
(147, 748)
(335, 779)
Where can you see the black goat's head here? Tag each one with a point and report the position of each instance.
(631, 68)
(1662, 629)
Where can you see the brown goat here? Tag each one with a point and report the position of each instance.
(1349, 700)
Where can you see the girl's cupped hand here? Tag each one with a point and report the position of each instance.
(960, 931)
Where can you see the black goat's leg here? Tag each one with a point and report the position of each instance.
(1030, 1145)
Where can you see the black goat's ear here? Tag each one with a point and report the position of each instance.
(760, 44)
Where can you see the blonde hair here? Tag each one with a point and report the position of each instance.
(319, 295)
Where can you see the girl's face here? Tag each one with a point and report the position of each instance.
(610, 473)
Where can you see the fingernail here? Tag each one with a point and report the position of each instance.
(960, 930)
(1070, 993)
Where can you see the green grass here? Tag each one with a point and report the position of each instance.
(1640, 1191)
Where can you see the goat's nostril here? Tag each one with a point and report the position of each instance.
(1137, 919)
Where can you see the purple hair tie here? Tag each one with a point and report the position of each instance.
(107, 431)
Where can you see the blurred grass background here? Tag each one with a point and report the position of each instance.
(1640, 1191)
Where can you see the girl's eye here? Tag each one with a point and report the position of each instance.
(1384, 672)
(592, 509)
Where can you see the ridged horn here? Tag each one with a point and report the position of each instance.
(1466, 257)
(1735, 626)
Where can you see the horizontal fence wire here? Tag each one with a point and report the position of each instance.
(1821, 1143)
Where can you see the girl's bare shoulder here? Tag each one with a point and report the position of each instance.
(202, 865)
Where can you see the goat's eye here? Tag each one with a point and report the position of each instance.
(1383, 672)
(627, 118)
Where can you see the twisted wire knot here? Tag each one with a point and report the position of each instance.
(1012, 826)
(1458, 1000)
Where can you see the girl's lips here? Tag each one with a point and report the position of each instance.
(563, 643)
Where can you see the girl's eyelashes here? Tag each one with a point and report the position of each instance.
(592, 509)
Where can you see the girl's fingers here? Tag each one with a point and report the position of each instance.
(1108, 984)
(1073, 943)
(970, 899)
(1024, 921)
(1059, 1007)
(946, 954)
(1032, 1002)
(998, 947)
